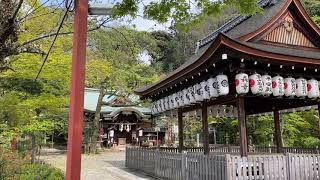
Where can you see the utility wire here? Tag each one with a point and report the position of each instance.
(54, 40)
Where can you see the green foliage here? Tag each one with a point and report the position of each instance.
(182, 11)
(40, 171)
(115, 56)
(311, 142)
(14, 166)
(313, 8)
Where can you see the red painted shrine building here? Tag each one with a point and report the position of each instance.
(252, 64)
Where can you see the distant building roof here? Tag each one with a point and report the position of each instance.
(91, 99)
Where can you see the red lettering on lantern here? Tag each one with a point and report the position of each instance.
(238, 82)
(285, 85)
(252, 82)
(309, 87)
(274, 84)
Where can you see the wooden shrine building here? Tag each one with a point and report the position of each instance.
(121, 118)
(255, 64)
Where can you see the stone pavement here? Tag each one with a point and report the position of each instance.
(108, 165)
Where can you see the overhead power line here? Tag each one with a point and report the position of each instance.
(54, 40)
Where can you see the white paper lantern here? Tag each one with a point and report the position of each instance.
(290, 87)
(153, 109)
(186, 97)
(161, 105)
(205, 90)
(267, 85)
(301, 87)
(157, 107)
(198, 92)
(181, 102)
(223, 85)
(242, 83)
(171, 102)
(213, 87)
(165, 103)
(313, 88)
(175, 100)
(111, 133)
(256, 85)
(191, 92)
(277, 86)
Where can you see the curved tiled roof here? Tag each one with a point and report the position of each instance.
(91, 98)
(235, 34)
(241, 24)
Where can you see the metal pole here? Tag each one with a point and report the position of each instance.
(77, 91)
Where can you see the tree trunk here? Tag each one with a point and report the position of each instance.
(96, 127)
(33, 148)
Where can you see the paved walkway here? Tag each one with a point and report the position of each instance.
(105, 166)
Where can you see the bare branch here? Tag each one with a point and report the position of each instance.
(17, 10)
(37, 8)
(62, 33)
(30, 50)
(124, 37)
(34, 10)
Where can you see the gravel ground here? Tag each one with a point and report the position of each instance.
(108, 165)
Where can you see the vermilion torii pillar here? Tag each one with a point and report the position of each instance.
(77, 91)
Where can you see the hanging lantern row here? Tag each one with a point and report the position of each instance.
(126, 127)
(211, 88)
(277, 86)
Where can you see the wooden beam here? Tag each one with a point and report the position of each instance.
(180, 130)
(242, 126)
(205, 129)
(278, 136)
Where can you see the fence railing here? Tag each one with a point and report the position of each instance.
(196, 166)
(236, 149)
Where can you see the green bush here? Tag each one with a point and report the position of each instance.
(40, 171)
(311, 142)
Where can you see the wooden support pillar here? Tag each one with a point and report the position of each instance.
(242, 126)
(180, 130)
(277, 132)
(205, 129)
(318, 120)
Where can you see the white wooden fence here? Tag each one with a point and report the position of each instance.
(196, 166)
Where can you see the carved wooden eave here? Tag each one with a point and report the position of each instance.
(288, 33)
(288, 37)
(291, 21)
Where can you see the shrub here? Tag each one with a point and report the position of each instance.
(311, 142)
(40, 171)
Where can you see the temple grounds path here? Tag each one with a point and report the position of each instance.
(109, 165)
